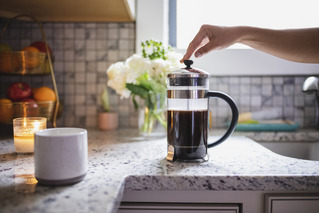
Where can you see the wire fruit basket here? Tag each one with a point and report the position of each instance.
(22, 62)
(28, 63)
(9, 111)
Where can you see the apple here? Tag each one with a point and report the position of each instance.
(18, 91)
(28, 100)
(41, 46)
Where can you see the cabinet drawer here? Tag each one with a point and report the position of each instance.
(293, 203)
(136, 207)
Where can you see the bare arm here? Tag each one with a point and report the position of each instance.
(299, 45)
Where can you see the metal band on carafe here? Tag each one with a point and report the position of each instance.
(186, 94)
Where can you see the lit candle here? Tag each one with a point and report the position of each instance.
(23, 132)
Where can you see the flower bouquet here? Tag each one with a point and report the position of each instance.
(144, 75)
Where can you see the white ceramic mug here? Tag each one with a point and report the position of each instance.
(60, 155)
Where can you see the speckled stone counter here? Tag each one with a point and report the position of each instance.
(122, 161)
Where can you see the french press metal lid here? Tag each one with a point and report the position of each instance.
(188, 82)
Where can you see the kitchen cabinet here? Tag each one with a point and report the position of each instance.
(178, 208)
(293, 203)
(71, 10)
(218, 201)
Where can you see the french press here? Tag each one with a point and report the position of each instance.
(188, 114)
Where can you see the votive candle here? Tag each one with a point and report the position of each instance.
(23, 132)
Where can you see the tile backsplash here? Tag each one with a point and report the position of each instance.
(83, 52)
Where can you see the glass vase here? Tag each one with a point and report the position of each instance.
(152, 118)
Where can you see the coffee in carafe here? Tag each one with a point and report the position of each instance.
(187, 114)
(189, 133)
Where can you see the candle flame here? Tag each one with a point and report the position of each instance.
(36, 126)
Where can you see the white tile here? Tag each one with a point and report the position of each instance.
(90, 55)
(68, 32)
(69, 66)
(113, 33)
(91, 121)
(80, 110)
(90, 44)
(69, 89)
(102, 33)
(102, 67)
(80, 77)
(267, 80)
(79, 66)
(266, 90)
(256, 80)
(298, 101)
(80, 99)
(113, 55)
(256, 101)
(91, 89)
(91, 111)
(69, 55)
(79, 33)
(91, 77)
(80, 89)
(277, 101)
(124, 33)
(278, 80)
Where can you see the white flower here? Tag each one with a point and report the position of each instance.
(117, 76)
(137, 66)
(174, 60)
(121, 73)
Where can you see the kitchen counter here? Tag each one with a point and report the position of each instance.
(122, 161)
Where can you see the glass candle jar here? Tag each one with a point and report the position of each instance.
(23, 132)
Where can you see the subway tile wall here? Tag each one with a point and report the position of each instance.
(83, 51)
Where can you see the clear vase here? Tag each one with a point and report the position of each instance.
(153, 120)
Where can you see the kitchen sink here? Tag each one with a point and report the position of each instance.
(301, 150)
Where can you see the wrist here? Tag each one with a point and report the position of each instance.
(243, 34)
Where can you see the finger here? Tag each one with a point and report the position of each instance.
(195, 44)
(205, 49)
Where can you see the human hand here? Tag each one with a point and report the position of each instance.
(210, 38)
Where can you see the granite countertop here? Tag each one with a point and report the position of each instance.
(122, 161)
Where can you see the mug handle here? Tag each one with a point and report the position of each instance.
(234, 119)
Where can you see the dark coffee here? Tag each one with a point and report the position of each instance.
(188, 134)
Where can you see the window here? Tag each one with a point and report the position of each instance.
(276, 14)
(153, 18)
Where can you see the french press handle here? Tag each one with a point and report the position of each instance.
(234, 119)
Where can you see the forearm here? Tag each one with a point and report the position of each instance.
(299, 45)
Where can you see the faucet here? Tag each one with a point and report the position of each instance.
(311, 85)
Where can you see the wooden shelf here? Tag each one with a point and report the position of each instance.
(71, 10)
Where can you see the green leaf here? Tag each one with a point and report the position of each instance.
(158, 50)
(105, 100)
(144, 77)
(135, 103)
(137, 89)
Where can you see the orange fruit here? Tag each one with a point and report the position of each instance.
(5, 100)
(31, 58)
(44, 94)
(30, 49)
(6, 111)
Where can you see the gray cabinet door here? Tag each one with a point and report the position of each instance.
(293, 203)
(134, 207)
